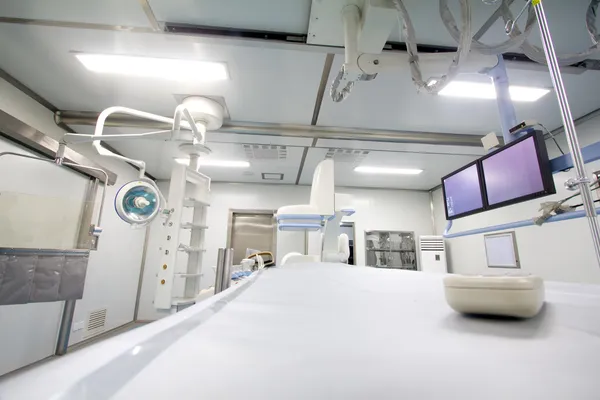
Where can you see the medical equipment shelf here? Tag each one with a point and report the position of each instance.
(188, 188)
(190, 202)
(190, 249)
(183, 301)
(189, 225)
(188, 275)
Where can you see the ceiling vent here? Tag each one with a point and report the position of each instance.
(96, 322)
(265, 152)
(268, 176)
(346, 155)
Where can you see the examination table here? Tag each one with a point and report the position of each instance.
(321, 331)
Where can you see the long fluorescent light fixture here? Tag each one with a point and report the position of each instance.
(215, 163)
(476, 90)
(163, 68)
(388, 171)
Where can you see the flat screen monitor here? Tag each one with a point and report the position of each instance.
(517, 172)
(463, 192)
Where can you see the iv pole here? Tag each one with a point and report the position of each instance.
(582, 180)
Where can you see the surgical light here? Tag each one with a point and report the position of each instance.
(477, 90)
(215, 163)
(137, 202)
(163, 68)
(388, 171)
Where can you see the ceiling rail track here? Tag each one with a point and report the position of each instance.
(286, 130)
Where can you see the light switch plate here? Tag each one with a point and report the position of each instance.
(77, 326)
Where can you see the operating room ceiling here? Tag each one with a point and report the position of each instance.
(272, 82)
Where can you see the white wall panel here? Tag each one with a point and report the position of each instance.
(28, 332)
(266, 85)
(110, 12)
(375, 210)
(560, 251)
(290, 16)
(434, 166)
(113, 270)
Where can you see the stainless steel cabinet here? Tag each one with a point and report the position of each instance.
(391, 249)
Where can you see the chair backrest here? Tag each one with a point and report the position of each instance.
(322, 191)
(344, 246)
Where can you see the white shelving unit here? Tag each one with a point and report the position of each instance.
(178, 280)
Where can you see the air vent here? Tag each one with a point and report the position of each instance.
(265, 152)
(346, 155)
(267, 176)
(96, 322)
(431, 243)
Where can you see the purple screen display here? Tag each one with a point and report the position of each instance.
(512, 173)
(463, 193)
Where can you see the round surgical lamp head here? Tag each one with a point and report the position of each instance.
(137, 203)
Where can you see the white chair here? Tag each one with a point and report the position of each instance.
(322, 201)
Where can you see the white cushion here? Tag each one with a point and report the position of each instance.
(302, 209)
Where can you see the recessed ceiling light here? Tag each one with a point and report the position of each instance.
(149, 67)
(388, 171)
(477, 90)
(270, 176)
(215, 163)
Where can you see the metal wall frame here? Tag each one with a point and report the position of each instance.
(34, 140)
(515, 247)
(251, 211)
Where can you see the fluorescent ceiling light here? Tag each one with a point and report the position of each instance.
(163, 68)
(388, 171)
(215, 163)
(477, 90)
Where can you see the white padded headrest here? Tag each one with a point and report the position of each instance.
(322, 191)
(344, 246)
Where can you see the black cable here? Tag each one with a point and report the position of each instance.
(581, 205)
(553, 138)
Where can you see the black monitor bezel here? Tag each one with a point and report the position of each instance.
(483, 199)
(543, 162)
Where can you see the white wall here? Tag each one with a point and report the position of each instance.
(41, 207)
(113, 270)
(559, 251)
(375, 210)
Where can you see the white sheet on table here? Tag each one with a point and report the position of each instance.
(336, 331)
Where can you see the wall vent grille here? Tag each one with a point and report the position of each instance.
(432, 244)
(265, 152)
(96, 322)
(346, 155)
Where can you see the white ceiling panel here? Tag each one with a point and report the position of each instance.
(566, 20)
(266, 85)
(434, 166)
(218, 137)
(110, 12)
(400, 147)
(392, 102)
(159, 157)
(290, 16)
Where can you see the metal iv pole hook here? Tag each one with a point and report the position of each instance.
(510, 24)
